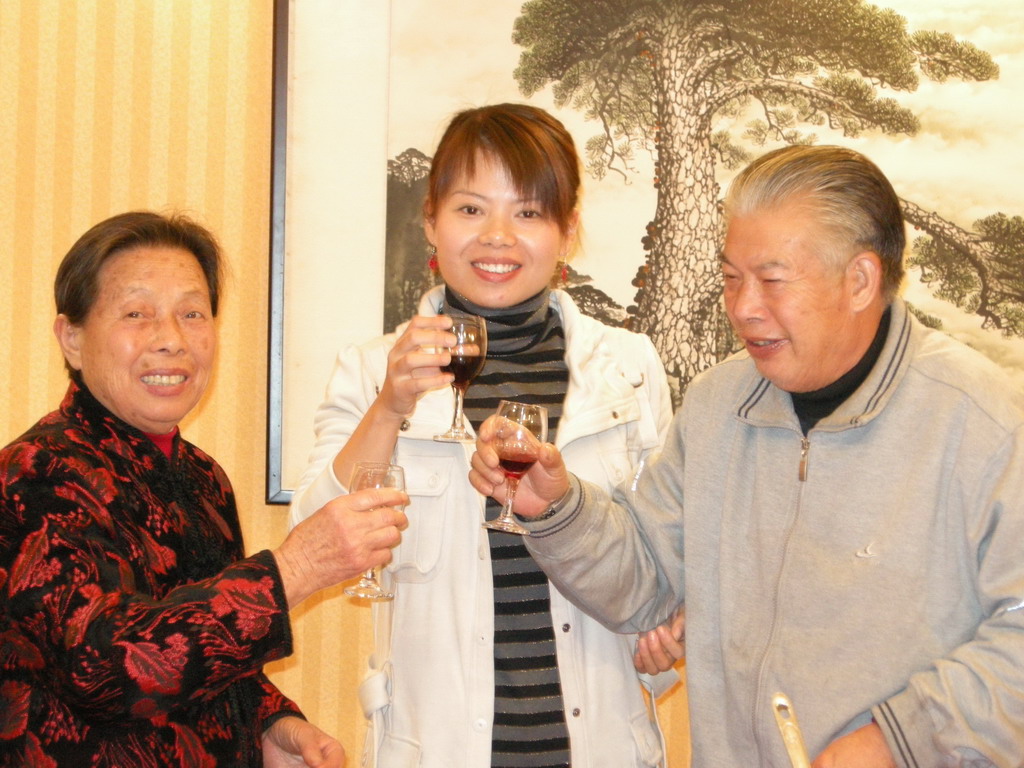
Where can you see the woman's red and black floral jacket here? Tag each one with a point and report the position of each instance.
(132, 629)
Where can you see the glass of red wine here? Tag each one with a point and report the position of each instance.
(520, 432)
(468, 357)
(373, 474)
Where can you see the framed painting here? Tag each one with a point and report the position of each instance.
(370, 86)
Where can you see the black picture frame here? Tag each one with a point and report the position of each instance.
(275, 491)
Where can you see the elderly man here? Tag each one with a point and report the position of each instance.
(840, 505)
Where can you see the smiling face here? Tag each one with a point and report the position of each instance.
(493, 247)
(804, 324)
(146, 348)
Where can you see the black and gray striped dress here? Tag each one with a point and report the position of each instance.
(525, 362)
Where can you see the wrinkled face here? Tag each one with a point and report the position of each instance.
(493, 247)
(147, 346)
(797, 317)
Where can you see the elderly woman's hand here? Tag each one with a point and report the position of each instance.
(348, 535)
(293, 742)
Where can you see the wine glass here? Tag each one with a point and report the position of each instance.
(468, 357)
(520, 432)
(373, 474)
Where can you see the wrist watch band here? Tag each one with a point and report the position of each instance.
(553, 509)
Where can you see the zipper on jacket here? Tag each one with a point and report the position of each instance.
(764, 736)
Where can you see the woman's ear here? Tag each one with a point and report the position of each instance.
(429, 220)
(69, 336)
(572, 232)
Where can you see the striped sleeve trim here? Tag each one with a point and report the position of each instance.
(892, 726)
(563, 518)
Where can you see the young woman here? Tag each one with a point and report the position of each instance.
(480, 661)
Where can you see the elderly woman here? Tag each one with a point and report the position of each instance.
(132, 628)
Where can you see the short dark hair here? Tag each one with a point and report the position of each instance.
(534, 148)
(77, 283)
(848, 194)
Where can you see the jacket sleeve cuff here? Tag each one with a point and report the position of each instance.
(559, 511)
(907, 728)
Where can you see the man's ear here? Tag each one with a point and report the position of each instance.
(69, 336)
(865, 272)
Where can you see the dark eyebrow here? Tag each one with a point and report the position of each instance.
(478, 196)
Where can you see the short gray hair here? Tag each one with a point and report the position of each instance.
(847, 193)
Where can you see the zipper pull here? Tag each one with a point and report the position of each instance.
(805, 446)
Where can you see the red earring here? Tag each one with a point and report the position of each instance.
(432, 261)
(565, 272)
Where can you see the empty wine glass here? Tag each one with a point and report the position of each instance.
(520, 432)
(468, 357)
(373, 474)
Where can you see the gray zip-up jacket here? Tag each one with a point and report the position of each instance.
(874, 568)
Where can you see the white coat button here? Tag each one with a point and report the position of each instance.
(480, 725)
(433, 481)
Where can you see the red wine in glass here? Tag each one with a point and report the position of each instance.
(519, 432)
(464, 368)
(516, 464)
(468, 357)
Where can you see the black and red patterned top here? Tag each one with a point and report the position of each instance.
(133, 630)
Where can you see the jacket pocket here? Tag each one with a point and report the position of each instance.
(427, 481)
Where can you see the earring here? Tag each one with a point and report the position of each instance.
(564, 272)
(432, 261)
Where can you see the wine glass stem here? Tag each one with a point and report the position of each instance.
(513, 485)
(457, 419)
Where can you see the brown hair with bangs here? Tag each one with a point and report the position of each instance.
(532, 146)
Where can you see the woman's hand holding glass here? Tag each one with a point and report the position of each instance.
(415, 364)
(341, 540)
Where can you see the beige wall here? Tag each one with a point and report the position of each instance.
(110, 105)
